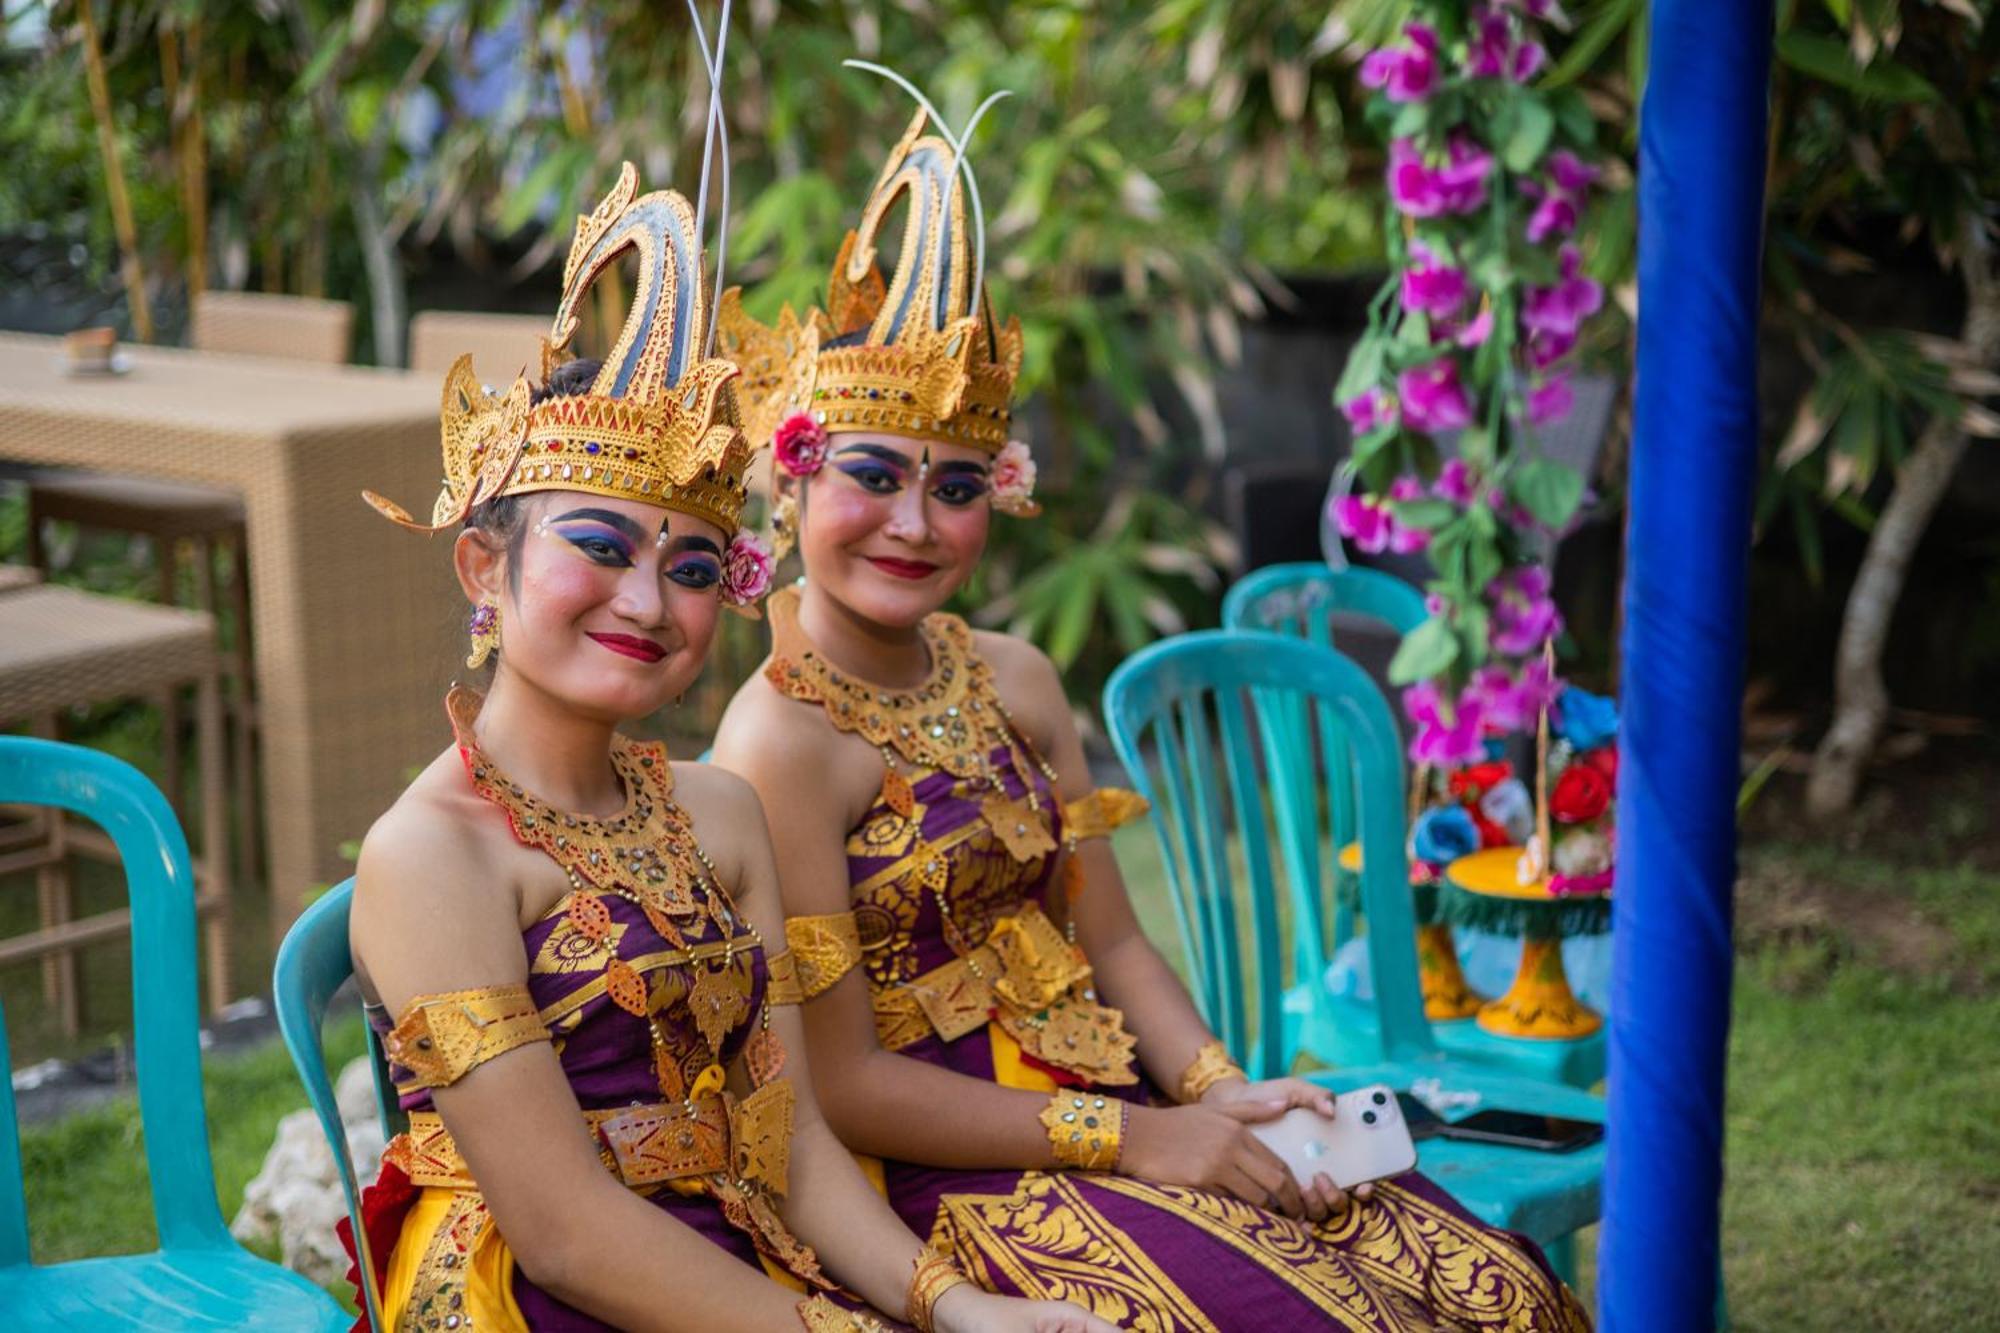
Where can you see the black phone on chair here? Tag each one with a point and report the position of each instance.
(1522, 1129)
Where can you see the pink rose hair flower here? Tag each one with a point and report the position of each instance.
(1405, 73)
(746, 570)
(1433, 398)
(799, 444)
(1013, 481)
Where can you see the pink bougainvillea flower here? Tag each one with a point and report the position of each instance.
(1433, 288)
(1523, 615)
(1432, 397)
(1423, 191)
(1447, 736)
(1405, 73)
(746, 570)
(1550, 400)
(1409, 486)
(1546, 348)
(1510, 702)
(1493, 50)
(1476, 332)
(799, 444)
(1366, 411)
(1363, 522)
(1407, 541)
(1454, 482)
(1561, 199)
(1562, 308)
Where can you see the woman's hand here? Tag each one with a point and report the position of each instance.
(1322, 1198)
(1212, 1148)
(969, 1309)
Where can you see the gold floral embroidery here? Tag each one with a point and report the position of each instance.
(567, 949)
(782, 984)
(437, 1299)
(1047, 1242)
(821, 1315)
(826, 947)
(439, 1039)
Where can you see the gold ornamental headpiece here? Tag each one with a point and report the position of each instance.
(659, 423)
(923, 355)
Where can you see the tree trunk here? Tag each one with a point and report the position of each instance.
(1861, 700)
(386, 293)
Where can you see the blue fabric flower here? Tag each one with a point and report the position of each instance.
(1443, 835)
(1584, 719)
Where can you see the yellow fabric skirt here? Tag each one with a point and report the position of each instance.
(423, 1248)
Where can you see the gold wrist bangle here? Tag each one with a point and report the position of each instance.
(1211, 1065)
(1086, 1130)
(935, 1275)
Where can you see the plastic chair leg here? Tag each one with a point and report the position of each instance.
(1562, 1257)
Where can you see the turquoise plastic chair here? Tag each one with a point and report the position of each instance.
(314, 962)
(1186, 716)
(199, 1278)
(1300, 600)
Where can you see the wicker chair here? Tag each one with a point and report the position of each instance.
(59, 648)
(501, 345)
(208, 520)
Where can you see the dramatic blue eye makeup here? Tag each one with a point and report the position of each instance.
(959, 484)
(694, 562)
(603, 537)
(874, 469)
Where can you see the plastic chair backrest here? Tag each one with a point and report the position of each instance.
(1302, 600)
(313, 963)
(166, 1035)
(1172, 708)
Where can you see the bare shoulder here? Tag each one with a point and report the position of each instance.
(788, 750)
(1028, 682)
(436, 821)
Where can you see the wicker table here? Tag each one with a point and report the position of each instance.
(355, 624)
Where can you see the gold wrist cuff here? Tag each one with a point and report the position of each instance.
(935, 1275)
(1096, 813)
(1086, 1129)
(821, 1315)
(1211, 1065)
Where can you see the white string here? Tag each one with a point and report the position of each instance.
(715, 136)
(961, 163)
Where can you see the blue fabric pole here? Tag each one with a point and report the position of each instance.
(1694, 453)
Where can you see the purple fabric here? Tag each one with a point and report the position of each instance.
(1144, 1254)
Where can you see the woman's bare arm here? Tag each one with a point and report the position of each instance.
(429, 917)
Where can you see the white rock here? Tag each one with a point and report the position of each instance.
(296, 1198)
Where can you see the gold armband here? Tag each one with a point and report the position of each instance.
(821, 1315)
(826, 948)
(439, 1039)
(1086, 1129)
(935, 1275)
(782, 969)
(1096, 813)
(1211, 1065)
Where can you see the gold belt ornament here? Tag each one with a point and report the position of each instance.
(1034, 983)
(643, 1145)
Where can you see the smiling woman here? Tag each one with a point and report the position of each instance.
(562, 936)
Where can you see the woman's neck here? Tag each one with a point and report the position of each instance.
(887, 655)
(561, 757)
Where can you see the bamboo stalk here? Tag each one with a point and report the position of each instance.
(130, 269)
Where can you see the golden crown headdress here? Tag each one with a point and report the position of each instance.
(659, 423)
(929, 362)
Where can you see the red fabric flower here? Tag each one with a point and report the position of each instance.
(1605, 760)
(1478, 779)
(384, 1206)
(1582, 794)
(1490, 833)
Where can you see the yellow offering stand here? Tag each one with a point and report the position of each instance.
(1484, 890)
(1447, 995)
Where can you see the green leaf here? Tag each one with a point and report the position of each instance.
(1842, 11)
(1364, 368)
(1573, 117)
(1830, 61)
(1426, 651)
(1597, 33)
(1522, 128)
(1371, 444)
(1426, 515)
(1547, 489)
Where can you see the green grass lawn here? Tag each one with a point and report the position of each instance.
(1864, 1156)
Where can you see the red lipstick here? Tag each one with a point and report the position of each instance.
(903, 569)
(631, 645)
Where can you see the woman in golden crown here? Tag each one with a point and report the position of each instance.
(960, 928)
(571, 947)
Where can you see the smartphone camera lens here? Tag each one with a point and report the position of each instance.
(1367, 1117)
(1380, 1099)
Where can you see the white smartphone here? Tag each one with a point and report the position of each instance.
(1367, 1139)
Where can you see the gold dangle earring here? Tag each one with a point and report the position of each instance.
(485, 628)
(784, 524)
